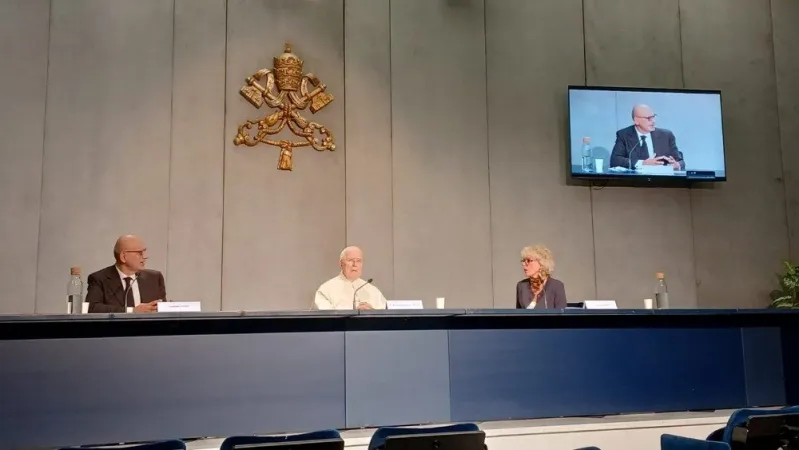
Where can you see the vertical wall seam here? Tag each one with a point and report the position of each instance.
(224, 159)
(779, 128)
(590, 185)
(344, 79)
(391, 151)
(44, 146)
(690, 191)
(488, 155)
(171, 142)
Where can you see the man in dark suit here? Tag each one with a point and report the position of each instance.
(127, 283)
(642, 144)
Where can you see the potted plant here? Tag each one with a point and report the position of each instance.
(787, 296)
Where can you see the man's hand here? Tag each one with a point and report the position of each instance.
(658, 161)
(673, 163)
(147, 307)
(364, 306)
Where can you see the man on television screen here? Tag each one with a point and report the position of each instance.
(642, 145)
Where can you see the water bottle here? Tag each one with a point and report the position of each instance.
(661, 292)
(587, 160)
(75, 292)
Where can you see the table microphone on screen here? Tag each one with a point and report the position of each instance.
(128, 289)
(630, 155)
(354, 305)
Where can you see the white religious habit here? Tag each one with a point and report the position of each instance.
(337, 293)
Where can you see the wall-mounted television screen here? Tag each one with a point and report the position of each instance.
(635, 132)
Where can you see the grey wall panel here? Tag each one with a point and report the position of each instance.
(106, 149)
(367, 60)
(785, 16)
(230, 384)
(638, 232)
(740, 230)
(530, 201)
(378, 381)
(283, 230)
(24, 35)
(440, 160)
(194, 260)
(633, 43)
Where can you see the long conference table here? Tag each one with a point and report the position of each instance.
(99, 378)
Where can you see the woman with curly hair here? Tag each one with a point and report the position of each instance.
(538, 290)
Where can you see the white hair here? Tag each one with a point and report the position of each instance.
(344, 252)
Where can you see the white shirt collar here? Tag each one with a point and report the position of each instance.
(122, 275)
(642, 134)
(344, 279)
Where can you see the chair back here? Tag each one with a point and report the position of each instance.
(322, 435)
(739, 418)
(174, 444)
(672, 442)
(379, 437)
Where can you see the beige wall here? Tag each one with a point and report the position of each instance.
(118, 116)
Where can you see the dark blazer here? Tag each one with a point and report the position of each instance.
(106, 291)
(627, 139)
(553, 295)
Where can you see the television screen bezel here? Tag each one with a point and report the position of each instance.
(640, 177)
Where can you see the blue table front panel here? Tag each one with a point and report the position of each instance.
(63, 392)
(397, 377)
(790, 361)
(515, 374)
(765, 381)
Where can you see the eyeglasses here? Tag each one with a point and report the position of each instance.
(140, 252)
(526, 261)
(652, 117)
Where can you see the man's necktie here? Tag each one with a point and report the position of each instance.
(644, 147)
(128, 292)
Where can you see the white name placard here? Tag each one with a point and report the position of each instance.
(179, 307)
(656, 170)
(404, 304)
(600, 304)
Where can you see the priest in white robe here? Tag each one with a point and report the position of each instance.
(348, 290)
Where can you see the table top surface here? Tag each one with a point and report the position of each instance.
(426, 313)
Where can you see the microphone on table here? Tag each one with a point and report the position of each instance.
(128, 289)
(354, 305)
(630, 154)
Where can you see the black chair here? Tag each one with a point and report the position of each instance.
(327, 439)
(159, 445)
(672, 442)
(464, 435)
(741, 416)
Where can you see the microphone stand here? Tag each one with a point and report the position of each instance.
(125, 295)
(630, 155)
(354, 305)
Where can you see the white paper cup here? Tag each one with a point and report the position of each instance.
(599, 164)
(648, 303)
(129, 309)
(440, 303)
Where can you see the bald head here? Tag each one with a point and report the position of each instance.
(130, 253)
(351, 262)
(643, 118)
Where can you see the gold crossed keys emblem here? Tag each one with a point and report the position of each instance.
(284, 88)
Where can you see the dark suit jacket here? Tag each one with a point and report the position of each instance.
(627, 140)
(106, 292)
(552, 297)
